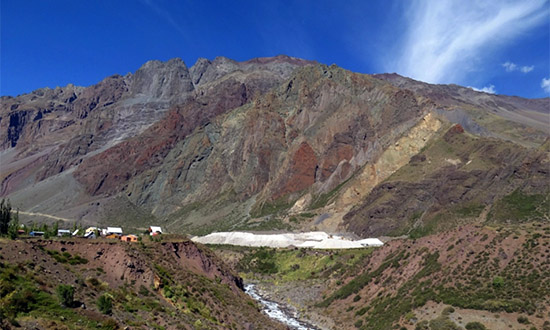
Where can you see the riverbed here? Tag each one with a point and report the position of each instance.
(277, 311)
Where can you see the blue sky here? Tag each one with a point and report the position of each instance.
(499, 46)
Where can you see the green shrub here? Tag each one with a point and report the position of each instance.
(143, 291)
(361, 311)
(110, 324)
(475, 326)
(167, 292)
(422, 325)
(65, 294)
(498, 282)
(356, 298)
(523, 319)
(448, 310)
(443, 323)
(105, 304)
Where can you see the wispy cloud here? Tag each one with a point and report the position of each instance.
(165, 15)
(545, 84)
(511, 67)
(447, 39)
(487, 89)
(526, 69)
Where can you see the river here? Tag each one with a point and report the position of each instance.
(276, 311)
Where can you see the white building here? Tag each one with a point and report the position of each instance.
(63, 232)
(155, 230)
(113, 230)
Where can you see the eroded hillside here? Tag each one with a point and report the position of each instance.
(169, 285)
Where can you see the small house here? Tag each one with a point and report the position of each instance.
(129, 238)
(112, 236)
(155, 230)
(90, 234)
(63, 232)
(36, 233)
(113, 230)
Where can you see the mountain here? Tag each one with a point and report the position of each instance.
(274, 143)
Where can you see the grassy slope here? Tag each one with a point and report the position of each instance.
(484, 270)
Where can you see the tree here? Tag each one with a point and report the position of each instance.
(13, 226)
(65, 293)
(46, 230)
(55, 228)
(5, 216)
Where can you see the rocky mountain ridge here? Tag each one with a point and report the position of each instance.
(267, 143)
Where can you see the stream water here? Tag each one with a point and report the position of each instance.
(277, 311)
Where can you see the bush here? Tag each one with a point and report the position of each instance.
(110, 324)
(65, 294)
(105, 304)
(143, 291)
(523, 319)
(448, 310)
(443, 323)
(498, 282)
(475, 326)
(422, 325)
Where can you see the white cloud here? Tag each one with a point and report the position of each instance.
(545, 84)
(487, 89)
(446, 39)
(526, 69)
(510, 67)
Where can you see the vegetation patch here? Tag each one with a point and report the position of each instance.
(299, 264)
(271, 208)
(66, 257)
(362, 280)
(323, 199)
(520, 207)
(21, 296)
(471, 210)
